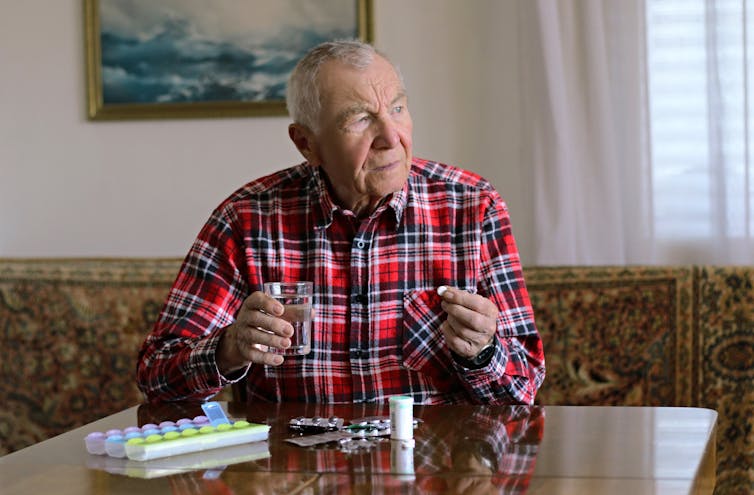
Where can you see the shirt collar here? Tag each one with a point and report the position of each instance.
(325, 207)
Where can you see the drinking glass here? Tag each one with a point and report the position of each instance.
(296, 298)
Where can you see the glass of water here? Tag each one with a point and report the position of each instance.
(296, 298)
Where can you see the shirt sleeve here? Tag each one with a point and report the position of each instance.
(517, 368)
(177, 359)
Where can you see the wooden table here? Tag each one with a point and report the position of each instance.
(458, 449)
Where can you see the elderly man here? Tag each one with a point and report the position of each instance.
(417, 278)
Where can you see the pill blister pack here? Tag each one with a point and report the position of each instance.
(170, 438)
(320, 438)
(320, 431)
(315, 424)
(361, 433)
(372, 426)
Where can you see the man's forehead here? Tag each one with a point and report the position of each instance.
(342, 83)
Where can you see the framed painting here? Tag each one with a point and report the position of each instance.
(192, 58)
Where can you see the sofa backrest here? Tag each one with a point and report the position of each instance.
(615, 335)
(70, 334)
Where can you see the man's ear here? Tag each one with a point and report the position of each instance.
(305, 142)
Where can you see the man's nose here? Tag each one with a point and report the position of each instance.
(387, 135)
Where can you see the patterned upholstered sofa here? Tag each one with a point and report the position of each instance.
(681, 335)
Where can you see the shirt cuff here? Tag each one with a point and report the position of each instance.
(204, 356)
(481, 377)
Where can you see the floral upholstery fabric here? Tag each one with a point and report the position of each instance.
(614, 335)
(70, 331)
(654, 336)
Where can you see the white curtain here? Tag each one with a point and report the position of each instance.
(626, 169)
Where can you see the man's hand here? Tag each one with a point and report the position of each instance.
(471, 323)
(258, 326)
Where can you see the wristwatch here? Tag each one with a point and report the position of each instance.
(482, 359)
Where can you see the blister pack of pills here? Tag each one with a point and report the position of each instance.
(320, 438)
(315, 424)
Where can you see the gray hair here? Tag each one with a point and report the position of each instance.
(302, 97)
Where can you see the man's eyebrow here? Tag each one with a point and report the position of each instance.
(358, 108)
(400, 96)
(352, 110)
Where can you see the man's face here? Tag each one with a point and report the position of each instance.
(363, 142)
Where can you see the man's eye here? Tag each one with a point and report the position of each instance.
(398, 109)
(361, 120)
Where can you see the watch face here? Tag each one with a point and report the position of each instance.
(485, 355)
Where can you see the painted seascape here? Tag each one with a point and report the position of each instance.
(178, 51)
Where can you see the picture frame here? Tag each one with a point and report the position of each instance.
(198, 59)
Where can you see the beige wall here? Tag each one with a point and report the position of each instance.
(70, 187)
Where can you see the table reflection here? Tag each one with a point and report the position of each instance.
(457, 449)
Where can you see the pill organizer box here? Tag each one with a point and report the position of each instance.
(170, 438)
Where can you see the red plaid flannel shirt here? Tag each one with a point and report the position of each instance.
(376, 332)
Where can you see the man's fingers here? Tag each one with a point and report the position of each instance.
(474, 338)
(471, 321)
(262, 302)
(256, 320)
(462, 346)
(260, 311)
(256, 352)
(466, 320)
(265, 357)
(473, 302)
(249, 337)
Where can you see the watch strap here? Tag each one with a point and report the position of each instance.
(482, 359)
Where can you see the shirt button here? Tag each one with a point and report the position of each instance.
(357, 353)
(361, 244)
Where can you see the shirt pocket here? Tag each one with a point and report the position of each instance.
(423, 344)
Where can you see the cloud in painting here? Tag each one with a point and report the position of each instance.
(187, 50)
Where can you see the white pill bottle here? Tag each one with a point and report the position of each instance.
(401, 417)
